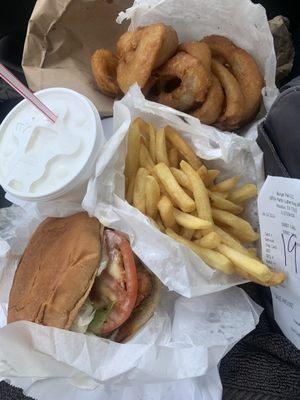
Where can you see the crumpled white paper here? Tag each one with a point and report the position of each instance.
(185, 339)
(240, 20)
(177, 266)
(207, 387)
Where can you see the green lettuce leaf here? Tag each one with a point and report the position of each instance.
(99, 318)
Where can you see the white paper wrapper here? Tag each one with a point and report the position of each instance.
(208, 387)
(173, 345)
(177, 266)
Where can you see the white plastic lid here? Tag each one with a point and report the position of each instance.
(39, 159)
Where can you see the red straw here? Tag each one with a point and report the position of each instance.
(19, 87)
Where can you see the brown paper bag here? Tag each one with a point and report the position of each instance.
(61, 37)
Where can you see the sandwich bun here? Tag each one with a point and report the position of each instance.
(56, 272)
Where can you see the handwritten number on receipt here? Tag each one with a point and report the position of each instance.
(290, 247)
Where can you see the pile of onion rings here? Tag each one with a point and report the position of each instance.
(212, 79)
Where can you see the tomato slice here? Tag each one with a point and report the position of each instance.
(117, 283)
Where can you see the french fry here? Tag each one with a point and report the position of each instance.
(132, 161)
(173, 157)
(237, 223)
(130, 188)
(160, 224)
(276, 279)
(161, 186)
(176, 193)
(210, 257)
(198, 234)
(243, 193)
(169, 145)
(155, 224)
(223, 204)
(202, 171)
(139, 197)
(189, 193)
(209, 241)
(166, 211)
(199, 192)
(152, 135)
(211, 175)
(160, 147)
(226, 185)
(181, 178)
(216, 260)
(152, 196)
(143, 141)
(243, 236)
(252, 251)
(143, 128)
(145, 158)
(189, 221)
(223, 195)
(147, 133)
(249, 277)
(230, 241)
(246, 263)
(183, 147)
(186, 233)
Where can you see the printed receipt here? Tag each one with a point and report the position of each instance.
(279, 216)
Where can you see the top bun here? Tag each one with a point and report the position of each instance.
(56, 271)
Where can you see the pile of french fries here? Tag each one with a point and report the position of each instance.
(168, 182)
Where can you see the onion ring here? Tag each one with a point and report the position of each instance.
(142, 51)
(148, 88)
(234, 111)
(199, 50)
(244, 68)
(212, 108)
(193, 82)
(104, 67)
(125, 43)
